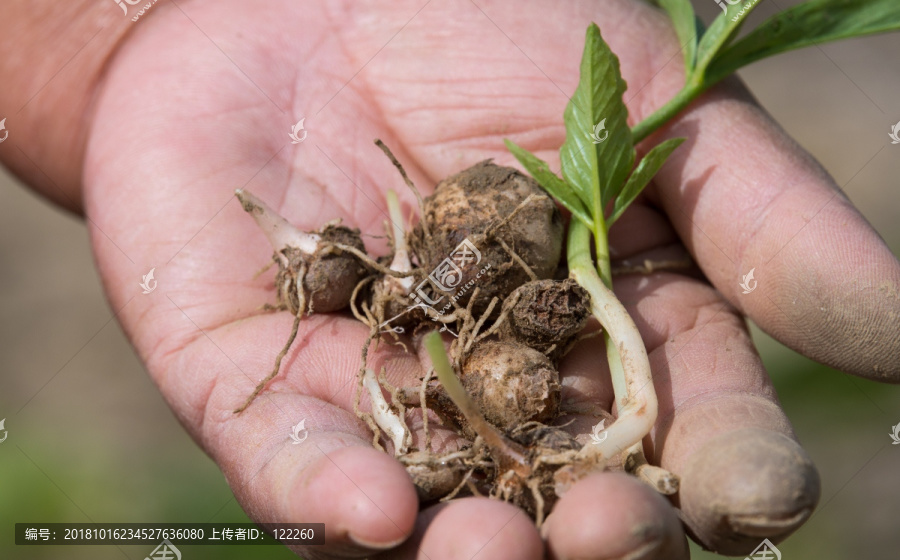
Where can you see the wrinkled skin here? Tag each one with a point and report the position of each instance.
(185, 115)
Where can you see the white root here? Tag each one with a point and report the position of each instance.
(278, 231)
(402, 284)
(638, 415)
(384, 416)
(632, 393)
(423, 405)
(401, 262)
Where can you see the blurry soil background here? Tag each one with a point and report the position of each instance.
(91, 438)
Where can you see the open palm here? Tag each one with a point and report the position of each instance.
(200, 100)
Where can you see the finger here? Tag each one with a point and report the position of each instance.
(363, 496)
(720, 428)
(472, 529)
(613, 515)
(333, 475)
(821, 268)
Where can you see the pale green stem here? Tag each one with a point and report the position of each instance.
(635, 395)
(601, 249)
(616, 372)
(667, 112)
(400, 262)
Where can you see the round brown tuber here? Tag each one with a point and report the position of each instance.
(308, 260)
(511, 384)
(433, 478)
(330, 274)
(545, 314)
(477, 205)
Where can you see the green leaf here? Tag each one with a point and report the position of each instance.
(681, 12)
(595, 170)
(646, 169)
(557, 188)
(811, 23)
(723, 29)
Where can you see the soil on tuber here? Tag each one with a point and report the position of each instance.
(480, 266)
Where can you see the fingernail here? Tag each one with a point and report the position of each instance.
(767, 526)
(644, 552)
(376, 545)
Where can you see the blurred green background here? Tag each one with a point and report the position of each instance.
(91, 439)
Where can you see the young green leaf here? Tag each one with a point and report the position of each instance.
(681, 12)
(598, 152)
(646, 169)
(813, 22)
(555, 187)
(810, 23)
(723, 29)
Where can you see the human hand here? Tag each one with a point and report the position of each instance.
(199, 100)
